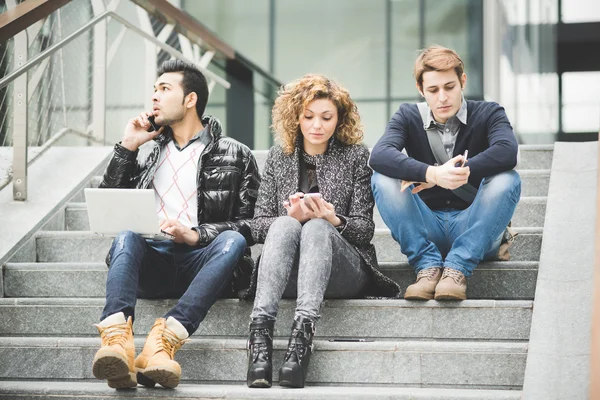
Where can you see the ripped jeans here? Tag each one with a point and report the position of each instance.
(164, 269)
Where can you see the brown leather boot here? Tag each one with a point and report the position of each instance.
(156, 362)
(424, 287)
(452, 286)
(114, 360)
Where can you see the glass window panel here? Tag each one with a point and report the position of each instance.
(581, 106)
(405, 42)
(374, 117)
(457, 24)
(242, 24)
(580, 11)
(342, 39)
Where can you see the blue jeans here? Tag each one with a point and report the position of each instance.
(449, 238)
(164, 269)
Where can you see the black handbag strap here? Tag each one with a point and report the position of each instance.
(466, 192)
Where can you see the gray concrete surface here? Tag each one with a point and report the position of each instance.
(558, 360)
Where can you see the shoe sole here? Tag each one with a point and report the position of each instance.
(163, 377)
(111, 367)
(260, 383)
(144, 380)
(128, 382)
(417, 297)
(449, 296)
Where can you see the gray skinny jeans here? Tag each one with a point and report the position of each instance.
(311, 260)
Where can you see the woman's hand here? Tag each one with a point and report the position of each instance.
(294, 207)
(316, 207)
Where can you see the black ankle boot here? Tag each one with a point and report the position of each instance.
(295, 364)
(260, 354)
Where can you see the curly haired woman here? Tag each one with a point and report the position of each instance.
(314, 214)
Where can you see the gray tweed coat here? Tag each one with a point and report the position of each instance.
(345, 181)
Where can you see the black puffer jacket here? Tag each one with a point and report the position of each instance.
(227, 183)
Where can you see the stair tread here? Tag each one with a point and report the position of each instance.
(207, 391)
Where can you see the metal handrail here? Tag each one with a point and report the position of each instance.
(86, 27)
(595, 337)
(43, 148)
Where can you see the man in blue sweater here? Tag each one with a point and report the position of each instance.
(447, 213)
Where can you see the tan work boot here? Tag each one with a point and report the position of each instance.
(453, 286)
(114, 360)
(156, 363)
(424, 287)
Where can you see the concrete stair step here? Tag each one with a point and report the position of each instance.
(476, 364)
(512, 280)
(399, 319)
(77, 246)
(35, 390)
(530, 212)
(497, 280)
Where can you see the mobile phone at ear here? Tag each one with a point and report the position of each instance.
(464, 161)
(153, 125)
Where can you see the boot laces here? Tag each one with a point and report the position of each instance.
(299, 343)
(261, 346)
(169, 342)
(457, 276)
(428, 273)
(114, 334)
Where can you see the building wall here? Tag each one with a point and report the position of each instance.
(368, 46)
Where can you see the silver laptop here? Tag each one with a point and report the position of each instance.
(111, 211)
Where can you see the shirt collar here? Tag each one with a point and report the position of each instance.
(204, 135)
(461, 115)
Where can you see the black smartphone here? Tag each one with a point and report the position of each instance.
(153, 125)
(464, 161)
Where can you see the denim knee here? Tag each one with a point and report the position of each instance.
(387, 190)
(235, 242)
(122, 242)
(316, 227)
(286, 224)
(506, 183)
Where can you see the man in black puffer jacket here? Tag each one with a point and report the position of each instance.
(205, 187)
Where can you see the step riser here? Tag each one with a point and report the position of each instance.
(508, 283)
(90, 248)
(527, 214)
(228, 364)
(230, 318)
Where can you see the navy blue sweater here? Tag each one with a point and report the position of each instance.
(488, 136)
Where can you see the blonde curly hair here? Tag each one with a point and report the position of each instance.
(295, 96)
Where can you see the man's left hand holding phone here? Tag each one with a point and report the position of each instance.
(140, 130)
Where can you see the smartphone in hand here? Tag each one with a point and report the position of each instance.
(464, 161)
(313, 195)
(153, 125)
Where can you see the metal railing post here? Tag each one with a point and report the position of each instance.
(20, 120)
(99, 75)
(594, 389)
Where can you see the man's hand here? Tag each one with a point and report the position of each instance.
(135, 133)
(182, 233)
(448, 176)
(294, 209)
(316, 207)
(421, 186)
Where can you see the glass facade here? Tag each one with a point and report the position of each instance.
(368, 46)
(527, 79)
